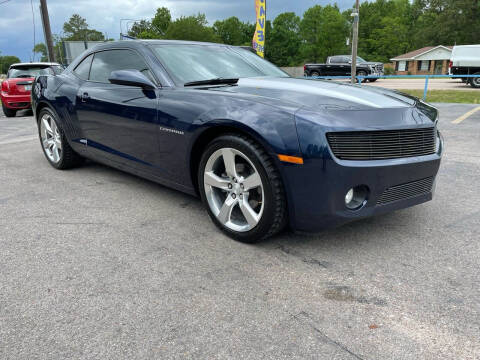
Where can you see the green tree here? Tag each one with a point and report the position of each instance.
(6, 61)
(191, 28)
(41, 49)
(161, 21)
(284, 40)
(232, 31)
(324, 31)
(139, 27)
(77, 29)
(385, 29)
(446, 22)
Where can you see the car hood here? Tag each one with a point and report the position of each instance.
(319, 95)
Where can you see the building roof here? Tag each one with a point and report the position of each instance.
(415, 53)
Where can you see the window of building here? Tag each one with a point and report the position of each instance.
(423, 65)
(402, 65)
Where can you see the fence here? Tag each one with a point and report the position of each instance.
(426, 77)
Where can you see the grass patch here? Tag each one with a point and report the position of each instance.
(448, 96)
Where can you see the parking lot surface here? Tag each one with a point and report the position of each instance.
(99, 264)
(419, 84)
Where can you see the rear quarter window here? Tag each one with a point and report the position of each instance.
(83, 69)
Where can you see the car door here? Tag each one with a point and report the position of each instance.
(344, 66)
(119, 121)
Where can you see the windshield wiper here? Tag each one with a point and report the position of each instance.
(211, 82)
(25, 76)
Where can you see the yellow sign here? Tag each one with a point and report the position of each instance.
(258, 42)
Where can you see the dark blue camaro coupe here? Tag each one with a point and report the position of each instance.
(263, 150)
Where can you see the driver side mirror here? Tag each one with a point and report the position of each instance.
(131, 78)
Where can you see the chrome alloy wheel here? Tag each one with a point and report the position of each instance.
(51, 138)
(476, 81)
(234, 189)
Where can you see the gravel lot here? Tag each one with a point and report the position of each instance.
(98, 264)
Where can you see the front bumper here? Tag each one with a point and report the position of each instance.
(316, 190)
(16, 102)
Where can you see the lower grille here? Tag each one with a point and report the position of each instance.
(406, 191)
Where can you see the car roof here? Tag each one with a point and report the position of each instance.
(139, 43)
(34, 64)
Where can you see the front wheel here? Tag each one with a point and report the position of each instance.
(9, 112)
(475, 82)
(361, 73)
(241, 189)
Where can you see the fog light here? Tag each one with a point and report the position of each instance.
(356, 197)
(349, 197)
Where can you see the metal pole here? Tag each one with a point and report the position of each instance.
(355, 41)
(46, 30)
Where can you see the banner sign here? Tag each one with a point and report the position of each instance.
(258, 42)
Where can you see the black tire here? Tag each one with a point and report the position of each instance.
(362, 73)
(475, 82)
(274, 217)
(372, 80)
(9, 112)
(68, 158)
(315, 73)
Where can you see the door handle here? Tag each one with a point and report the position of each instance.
(85, 97)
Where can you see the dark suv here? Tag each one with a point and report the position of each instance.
(340, 65)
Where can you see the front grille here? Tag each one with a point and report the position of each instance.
(406, 191)
(379, 67)
(378, 145)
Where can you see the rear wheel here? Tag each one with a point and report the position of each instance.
(242, 189)
(475, 82)
(8, 112)
(315, 73)
(54, 143)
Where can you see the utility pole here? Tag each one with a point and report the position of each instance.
(355, 41)
(46, 30)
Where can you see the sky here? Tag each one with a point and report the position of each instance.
(17, 30)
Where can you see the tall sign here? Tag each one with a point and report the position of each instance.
(258, 42)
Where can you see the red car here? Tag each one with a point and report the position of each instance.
(15, 90)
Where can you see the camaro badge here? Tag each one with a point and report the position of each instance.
(178, 132)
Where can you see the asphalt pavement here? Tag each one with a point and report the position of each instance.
(99, 264)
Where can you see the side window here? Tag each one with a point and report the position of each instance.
(83, 69)
(107, 61)
(335, 59)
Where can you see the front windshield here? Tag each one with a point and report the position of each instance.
(27, 72)
(189, 63)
